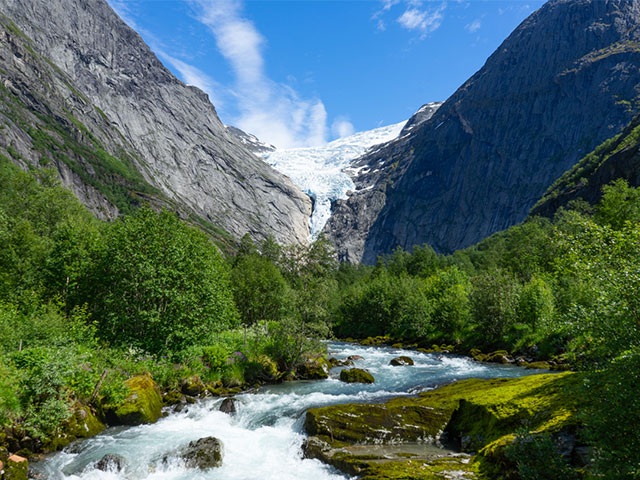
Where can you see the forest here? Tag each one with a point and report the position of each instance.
(86, 305)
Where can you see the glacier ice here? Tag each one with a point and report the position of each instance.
(320, 171)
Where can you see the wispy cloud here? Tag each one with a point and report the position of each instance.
(342, 127)
(474, 26)
(415, 17)
(272, 111)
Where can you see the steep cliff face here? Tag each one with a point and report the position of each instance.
(565, 80)
(618, 157)
(169, 132)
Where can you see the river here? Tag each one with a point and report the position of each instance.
(263, 440)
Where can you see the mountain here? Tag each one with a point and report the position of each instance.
(564, 81)
(618, 157)
(324, 172)
(83, 92)
(250, 142)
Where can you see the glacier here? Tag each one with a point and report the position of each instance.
(320, 171)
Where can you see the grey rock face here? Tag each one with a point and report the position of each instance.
(249, 141)
(566, 79)
(424, 113)
(180, 145)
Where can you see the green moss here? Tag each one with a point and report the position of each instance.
(313, 368)
(480, 415)
(356, 375)
(16, 468)
(82, 423)
(446, 467)
(400, 420)
(142, 405)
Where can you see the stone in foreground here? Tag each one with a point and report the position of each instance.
(204, 454)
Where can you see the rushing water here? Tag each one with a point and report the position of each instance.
(263, 440)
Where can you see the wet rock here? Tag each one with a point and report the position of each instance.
(228, 405)
(353, 358)
(356, 375)
(401, 361)
(335, 362)
(110, 463)
(204, 453)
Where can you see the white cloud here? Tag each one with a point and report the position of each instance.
(342, 127)
(272, 111)
(422, 21)
(474, 26)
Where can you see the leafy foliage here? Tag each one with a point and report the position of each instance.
(159, 284)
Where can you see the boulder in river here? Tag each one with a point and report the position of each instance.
(204, 453)
(353, 358)
(228, 405)
(356, 375)
(401, 361)
(110, 463)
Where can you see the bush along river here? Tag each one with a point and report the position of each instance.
(400, 426)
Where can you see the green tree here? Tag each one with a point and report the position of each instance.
(449, 293)
(494, 298)
(259, 290)
(159, 284)
(619, 203)
(604, 261)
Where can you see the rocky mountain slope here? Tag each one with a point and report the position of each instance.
(82, 91)
(618, 157)
(564, 81)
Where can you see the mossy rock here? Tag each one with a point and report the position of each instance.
(538, 365)
(192, 386)
(336, 362)
(313, 368)
(440, 469)
(261, 370)
(173, 397)
(83, 423)
(483, 409)
(204, 454)
(499, 356)
(142, 405)
(398, 421)
(356, 375)
(16, 468)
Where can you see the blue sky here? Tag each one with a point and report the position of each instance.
(303, 72)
